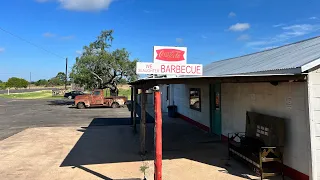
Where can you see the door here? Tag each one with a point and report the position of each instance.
(97, 97)
(215, 108)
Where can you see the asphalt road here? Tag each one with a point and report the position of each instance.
(17, 115)
(24, 90)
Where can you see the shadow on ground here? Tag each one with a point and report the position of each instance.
(61, 102)
(101, 175)
(112, 140)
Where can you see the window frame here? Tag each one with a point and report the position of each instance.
(96, 94)
(199, 94)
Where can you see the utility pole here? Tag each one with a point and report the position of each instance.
(30, 81)
(66, 80)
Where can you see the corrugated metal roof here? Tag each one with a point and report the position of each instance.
(290, 56)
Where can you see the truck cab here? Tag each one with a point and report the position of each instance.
(96, 99)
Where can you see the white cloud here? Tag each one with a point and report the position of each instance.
(243, 37)
(146, 11)
(278, 25)
(313, 18)
(2, 49)
(204, 37)
(179, 40)
(82, 5)
(289, 32)
(79, 52)
(232, 14)
(48, 35)
(239, 27)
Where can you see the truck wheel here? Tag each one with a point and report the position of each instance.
(115, 105)
(81, 105)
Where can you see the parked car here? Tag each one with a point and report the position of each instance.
(73, 94)
(97, 99)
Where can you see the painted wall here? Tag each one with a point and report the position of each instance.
(164, 102)
(181, 99)
(314, 114)
(287, 100)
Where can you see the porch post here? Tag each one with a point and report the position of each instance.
(134, 108)
(132, 89)
(143, 123)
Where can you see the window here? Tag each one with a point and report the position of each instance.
(261, 130)
(195, 99)
(96, 93)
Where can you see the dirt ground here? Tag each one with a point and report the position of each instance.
(56, 142)
(110, 152)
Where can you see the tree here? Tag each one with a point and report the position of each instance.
(61, 76)
(2, 85)
(58, 80)
(41, 82)
(15, 82)
(99, 67)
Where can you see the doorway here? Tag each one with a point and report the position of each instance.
(215, 108)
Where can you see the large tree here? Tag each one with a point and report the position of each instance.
(99, 67)
(17, 83)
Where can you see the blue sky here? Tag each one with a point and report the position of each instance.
(211, 29)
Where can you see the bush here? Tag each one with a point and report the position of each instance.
(2, 85)
(41, 82)
(15, 82)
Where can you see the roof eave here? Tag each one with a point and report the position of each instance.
(310, 65)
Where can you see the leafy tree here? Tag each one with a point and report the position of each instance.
(123, 81)
(17, 83)
(41, 82)
(61, 76)
(55, 82)
(99, 67)
(2, 85)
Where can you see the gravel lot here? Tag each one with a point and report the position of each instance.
(17, 115)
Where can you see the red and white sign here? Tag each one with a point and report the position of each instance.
(170, 55)
(177, 69)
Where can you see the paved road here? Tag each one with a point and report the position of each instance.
(17, 115)
(24, 90)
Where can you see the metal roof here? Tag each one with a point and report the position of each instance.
(289, 59)
(221, 79)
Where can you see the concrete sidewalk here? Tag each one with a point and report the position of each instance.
(111, 152)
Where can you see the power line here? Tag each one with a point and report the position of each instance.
(22, 39)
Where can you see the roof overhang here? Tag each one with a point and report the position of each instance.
(310, 65)
(148, 83)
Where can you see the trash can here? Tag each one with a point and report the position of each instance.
(172, 111)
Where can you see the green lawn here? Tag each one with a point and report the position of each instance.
(47, 94)
(125, 92)
(31, 95)
(122, 92)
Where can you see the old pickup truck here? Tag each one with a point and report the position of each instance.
(97, 99)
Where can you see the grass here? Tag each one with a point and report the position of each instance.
(47, 94)
(122, 92)
(31, 95)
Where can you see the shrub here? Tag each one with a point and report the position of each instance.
(15, 82)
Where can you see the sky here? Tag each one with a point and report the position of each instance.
(37, 35)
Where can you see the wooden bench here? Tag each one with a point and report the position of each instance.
(261, 146)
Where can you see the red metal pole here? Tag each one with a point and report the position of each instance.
(158, 136)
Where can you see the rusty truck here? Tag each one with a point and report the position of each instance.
(97, 99)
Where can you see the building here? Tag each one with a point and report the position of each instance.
(284, 82)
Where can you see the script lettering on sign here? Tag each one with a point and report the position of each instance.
(170, 55)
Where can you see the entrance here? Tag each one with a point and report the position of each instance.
(215, 108)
